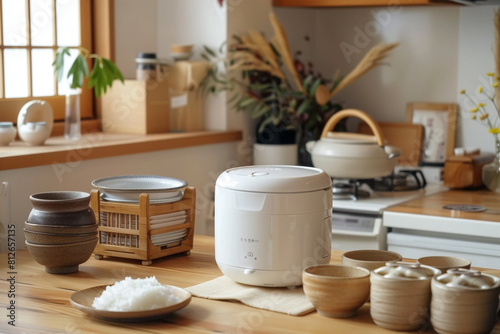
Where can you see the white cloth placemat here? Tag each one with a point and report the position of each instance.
(284, 300)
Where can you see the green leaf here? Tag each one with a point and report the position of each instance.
(245, 102)
(112, 68)
(59, 62)
(103, 74)
(259, 111)
(210, 51)
(78, 71)
(303, 106)
(221, 47)
(307, 82)
(259, 86)
(233, 98)
(264, 123)
(314, 86)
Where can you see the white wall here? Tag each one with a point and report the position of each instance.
(135, 31)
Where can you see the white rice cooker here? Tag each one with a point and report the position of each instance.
(271, 222)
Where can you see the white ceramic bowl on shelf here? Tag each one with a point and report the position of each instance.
(7, 133)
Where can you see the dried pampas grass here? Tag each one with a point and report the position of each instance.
(284, 49)
(370, 60)
(262, 58)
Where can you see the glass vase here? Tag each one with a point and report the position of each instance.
(491, 173)
(72, 123)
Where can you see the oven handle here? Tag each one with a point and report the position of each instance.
(376, 228)
(364, 234)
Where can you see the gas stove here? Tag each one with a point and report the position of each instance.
(374, 195)
(358, 206)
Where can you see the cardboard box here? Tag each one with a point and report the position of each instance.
(186, 113)
(136, 107)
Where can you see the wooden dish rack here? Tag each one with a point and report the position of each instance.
(126, 232)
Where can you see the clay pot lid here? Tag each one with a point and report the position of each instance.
(404, 270)
(468, 279)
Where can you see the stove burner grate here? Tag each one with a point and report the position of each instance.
(348, 191)
(465, 207)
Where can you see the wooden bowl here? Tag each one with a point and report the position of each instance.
(60, 229)
(41, 238)
(370, 259)
(62, 259)
(181, 48)
(444, 263)
(336, 291)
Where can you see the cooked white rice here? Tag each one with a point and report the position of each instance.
(135, 295)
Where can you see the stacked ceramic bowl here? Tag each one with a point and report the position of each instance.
(61, 230)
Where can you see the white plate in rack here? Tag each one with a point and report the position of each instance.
(155, 226)
(128, 188)
(164, 238)
(167, 216)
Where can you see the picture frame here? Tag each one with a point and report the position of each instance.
(440, 122)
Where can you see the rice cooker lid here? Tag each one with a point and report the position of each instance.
(275, 179)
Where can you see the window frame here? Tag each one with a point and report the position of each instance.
(10, 106)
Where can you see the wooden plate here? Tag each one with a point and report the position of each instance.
(83, 300)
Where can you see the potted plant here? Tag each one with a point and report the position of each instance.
(101, 77)
(278, 90)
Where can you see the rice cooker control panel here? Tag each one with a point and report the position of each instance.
(248, 252)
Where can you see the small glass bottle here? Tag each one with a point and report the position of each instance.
(146, 66)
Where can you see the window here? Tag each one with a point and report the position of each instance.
(30, 33)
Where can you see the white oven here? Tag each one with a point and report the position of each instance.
(357, 224)
(416, 235)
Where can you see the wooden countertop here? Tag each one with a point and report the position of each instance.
(432, 205)
(42, 300)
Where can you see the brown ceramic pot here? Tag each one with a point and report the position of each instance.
(64, 208)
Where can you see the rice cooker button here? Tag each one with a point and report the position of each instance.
(248, 271)
(259, 173)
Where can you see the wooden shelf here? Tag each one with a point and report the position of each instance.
(94, 145)
(358, 3)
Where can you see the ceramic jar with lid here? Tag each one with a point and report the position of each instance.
(400, 295)
(464, 301)
(149, 67)
(61, 208)
(7, 133)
